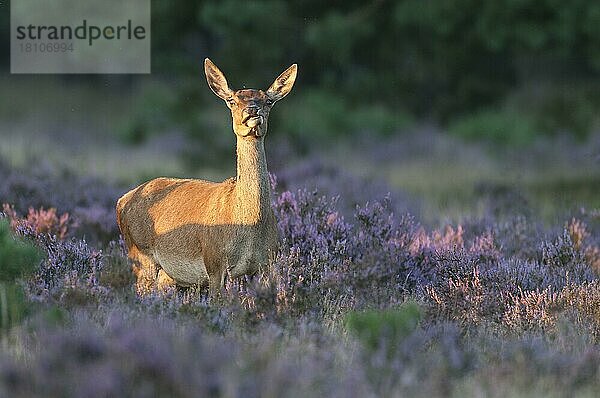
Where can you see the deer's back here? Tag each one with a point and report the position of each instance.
(168, 206)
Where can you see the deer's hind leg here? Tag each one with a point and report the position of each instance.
(145, 270)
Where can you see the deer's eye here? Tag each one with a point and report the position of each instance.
(269, 102)
(231, 101)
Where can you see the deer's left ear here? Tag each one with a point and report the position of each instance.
(283, 84)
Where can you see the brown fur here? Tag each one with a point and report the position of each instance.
(188, 232)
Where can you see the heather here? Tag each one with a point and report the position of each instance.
(43, 191)
(370, 295)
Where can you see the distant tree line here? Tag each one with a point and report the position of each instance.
(434, 58)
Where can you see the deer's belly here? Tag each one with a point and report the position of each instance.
(185, 271)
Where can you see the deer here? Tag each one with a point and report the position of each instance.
(192, 232)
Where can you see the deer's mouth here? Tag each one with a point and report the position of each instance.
(253, 121)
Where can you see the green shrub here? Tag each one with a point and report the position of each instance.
(497, 126)
(55, 315)
(151, 113)
(17, 258)
(319, 113)
(378, 119)
(389, 326)
(560, 107)
(313, 113)
(13, 305)
(116, 272)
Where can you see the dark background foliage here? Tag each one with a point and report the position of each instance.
(445, 61)
(529, 66)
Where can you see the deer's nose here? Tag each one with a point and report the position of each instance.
(252, 110)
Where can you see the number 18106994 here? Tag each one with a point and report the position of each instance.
(46, 47)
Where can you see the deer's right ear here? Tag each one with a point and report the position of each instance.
(216, 80)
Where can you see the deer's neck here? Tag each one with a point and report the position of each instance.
(253, 193)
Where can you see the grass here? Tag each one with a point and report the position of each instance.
(449, 186)
(445, 190)
(449, 190)
(560, 192)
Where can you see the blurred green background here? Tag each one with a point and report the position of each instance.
(507, 75)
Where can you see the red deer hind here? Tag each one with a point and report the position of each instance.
(193, 232)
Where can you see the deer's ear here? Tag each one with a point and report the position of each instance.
(283, 84)
(216, 80)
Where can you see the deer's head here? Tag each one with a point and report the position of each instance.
(249, 108)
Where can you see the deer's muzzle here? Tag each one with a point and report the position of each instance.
(252, 117)
(253, 121)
